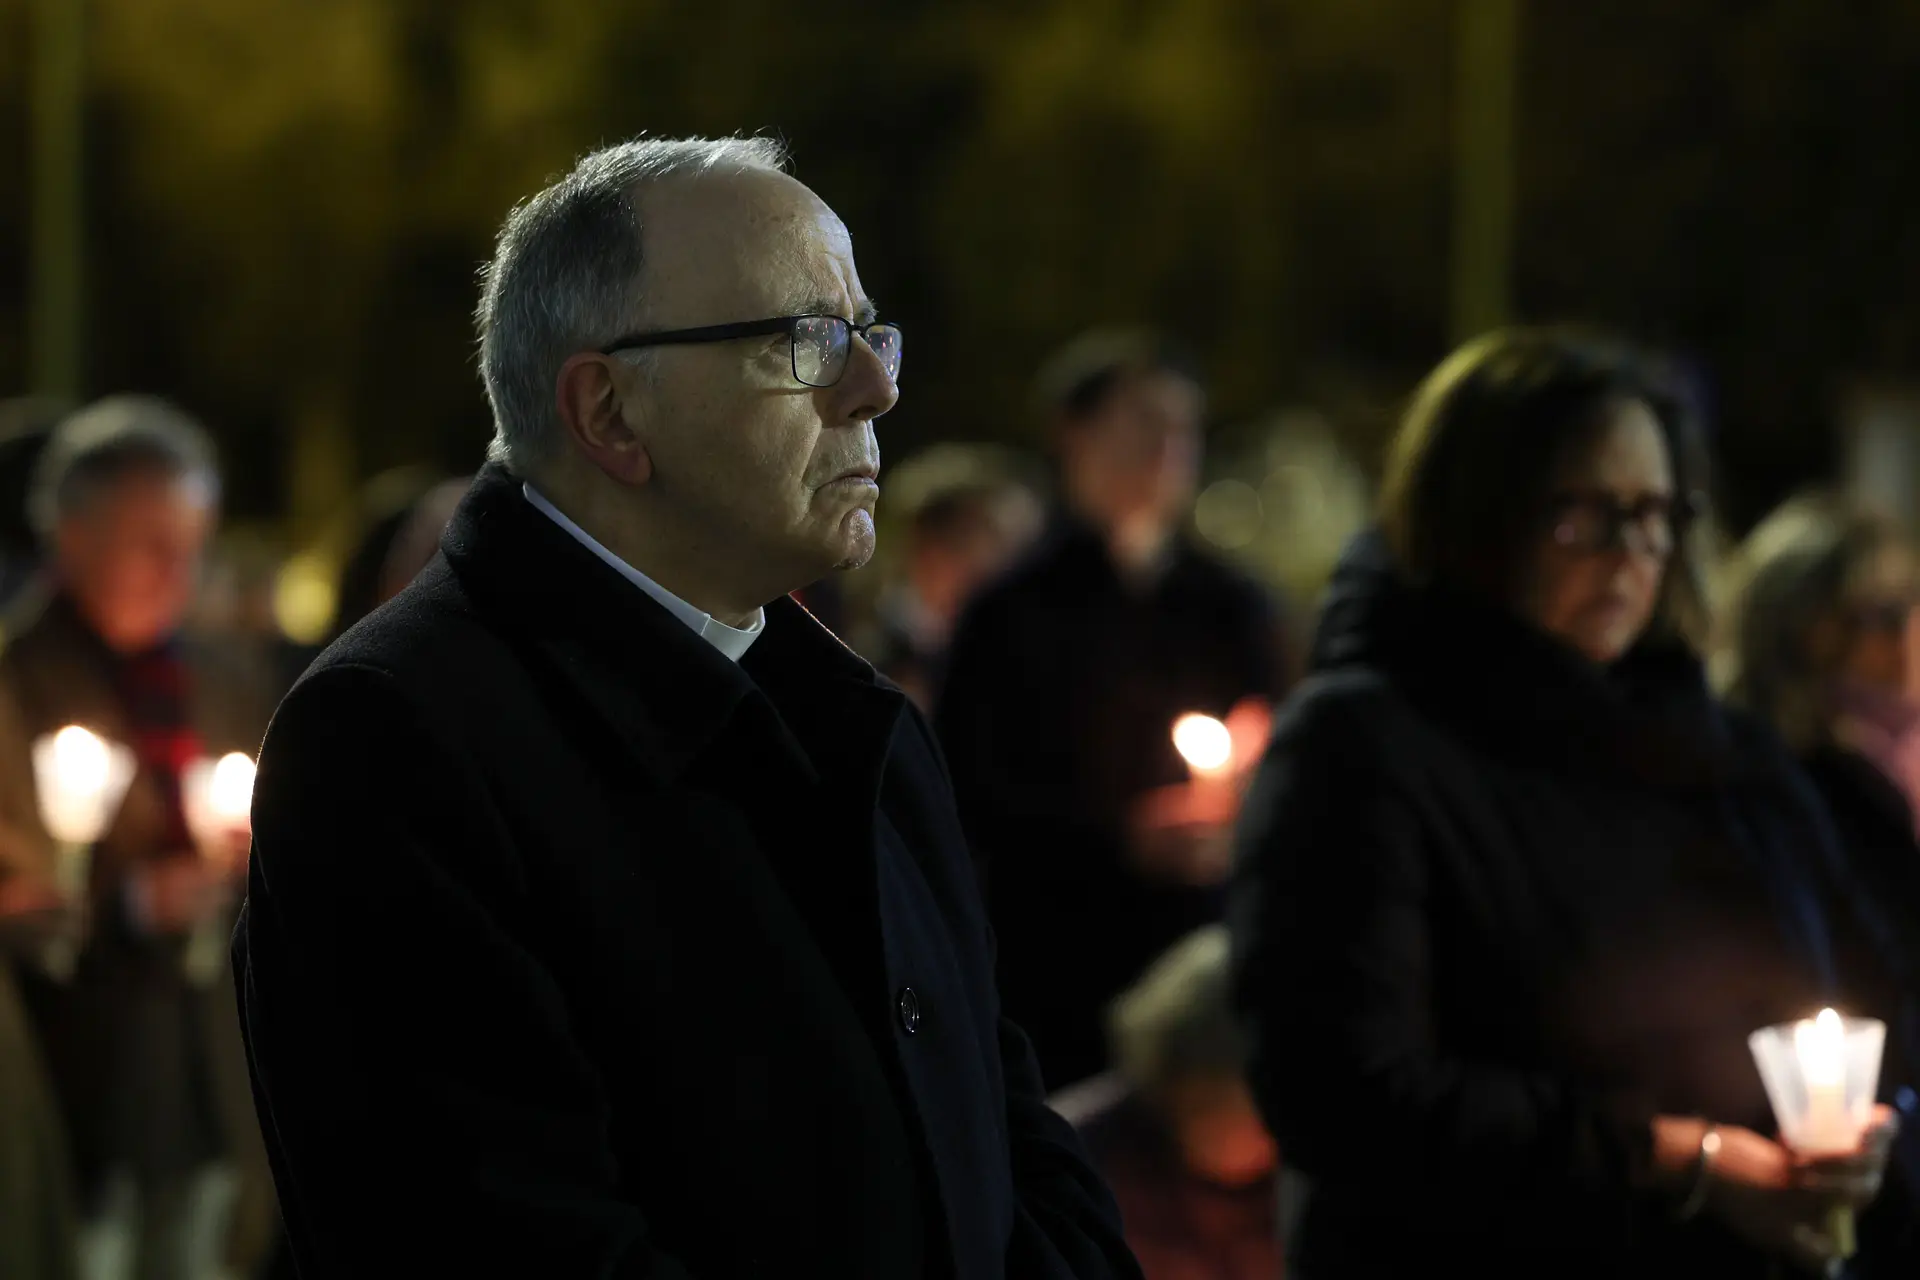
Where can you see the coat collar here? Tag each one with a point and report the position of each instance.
(672, 698)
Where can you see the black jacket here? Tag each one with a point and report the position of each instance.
(1874, 822)
(1881, 869)
(576, 950)
(1061, 689)
(1497, 908)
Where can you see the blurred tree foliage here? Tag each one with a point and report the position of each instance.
(289, 199)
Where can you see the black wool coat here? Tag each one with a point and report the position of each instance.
(1494, 910)
(574, 949)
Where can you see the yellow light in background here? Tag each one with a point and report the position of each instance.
(1228, 514)
(1295, 490)
(303, 599)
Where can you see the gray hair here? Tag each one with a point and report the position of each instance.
(1177, 1022)
(565, 277)
(1791, 575)
(110, 440)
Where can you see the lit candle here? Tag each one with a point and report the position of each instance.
(1206, 745)
(1821, 1075)
(1821, 1046)
(79, 780)
(218, 796)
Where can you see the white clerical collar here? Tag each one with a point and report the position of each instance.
(731, 641)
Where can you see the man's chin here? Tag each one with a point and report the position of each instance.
(857, 540)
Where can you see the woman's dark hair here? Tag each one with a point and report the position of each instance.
(1469, 474)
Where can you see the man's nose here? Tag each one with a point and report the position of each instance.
(864, 391)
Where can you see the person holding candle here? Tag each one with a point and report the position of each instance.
(144, 1052)
(1065, 680)
(39, 1221)
(1514, 890)
(608, 916)
(1817, 643)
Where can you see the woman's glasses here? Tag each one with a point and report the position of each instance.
(1886, 615)
(1590, 523)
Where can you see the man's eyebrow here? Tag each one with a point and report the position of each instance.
(864, 312)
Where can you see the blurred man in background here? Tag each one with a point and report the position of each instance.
(959, 537)
(1174, 1128)
(142, 1038)
(1062, 688)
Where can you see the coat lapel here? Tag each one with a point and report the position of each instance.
(797, 737)
(662, 693)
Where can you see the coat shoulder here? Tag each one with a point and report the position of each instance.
(1355, 706)
(428, 639)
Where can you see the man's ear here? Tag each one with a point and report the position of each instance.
(595, 396)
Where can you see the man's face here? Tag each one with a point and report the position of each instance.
(1136, 458)
(131, 555)
(750, 461)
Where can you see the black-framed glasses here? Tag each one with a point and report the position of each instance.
(821, 343)
(1886, 614)
(1595, 522)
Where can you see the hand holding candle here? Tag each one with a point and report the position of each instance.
(1821, 1075)
(80, 780)
(1220, 755)
(1181, 832)
(218, 796)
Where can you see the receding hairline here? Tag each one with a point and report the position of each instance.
(803, 297)
(567, 272)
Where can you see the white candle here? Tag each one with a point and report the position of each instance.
(1205, 744)
(218, 795)
(1821, 1046)
(219, 800)
(231, 794)
(81, 780)
(1821, 1074)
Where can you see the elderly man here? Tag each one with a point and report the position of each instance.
(609, 918)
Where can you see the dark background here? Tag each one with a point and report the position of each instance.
(287, 200)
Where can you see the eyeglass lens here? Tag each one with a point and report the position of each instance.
(1887, 615)
(1591, 523)
(821, 345)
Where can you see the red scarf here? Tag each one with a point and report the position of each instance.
(156, 689)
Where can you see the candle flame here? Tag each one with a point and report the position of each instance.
(81, 761)
(230, 793)
(1203, 742)
(1821, 1046)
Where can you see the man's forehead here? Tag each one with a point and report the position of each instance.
(759, 240)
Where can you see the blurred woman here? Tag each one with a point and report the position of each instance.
(1513, 889)
(1173, 1128)
(1823, 597)
(1817, 634)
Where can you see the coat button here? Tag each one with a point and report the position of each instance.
(909, 1008)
